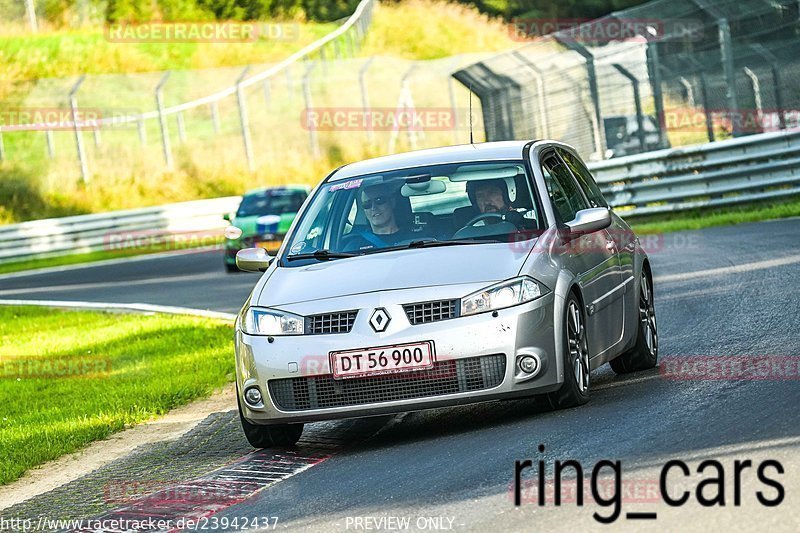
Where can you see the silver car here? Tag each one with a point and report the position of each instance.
(442, 277)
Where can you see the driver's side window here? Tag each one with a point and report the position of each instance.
(564, 193)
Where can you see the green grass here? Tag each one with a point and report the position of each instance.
(718, 217)
(147, 366)
(57, 54)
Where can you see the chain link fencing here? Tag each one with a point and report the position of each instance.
(665, 73)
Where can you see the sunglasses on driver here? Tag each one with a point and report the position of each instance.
(378, 200)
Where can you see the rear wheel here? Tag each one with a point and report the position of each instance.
(263, 436)
(231, 268)
(575, 389)
(644, 353)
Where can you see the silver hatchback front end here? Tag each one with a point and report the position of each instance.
(476, 357)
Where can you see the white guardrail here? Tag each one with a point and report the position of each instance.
(736, 171)
(167, 227)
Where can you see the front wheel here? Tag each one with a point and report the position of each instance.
(575, 390)
(644, 353)
(263, 436)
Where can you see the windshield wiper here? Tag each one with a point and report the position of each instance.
(429, 243)
(321, 255)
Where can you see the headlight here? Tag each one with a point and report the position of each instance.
(260, 321)
(506, 294)
(232, 232)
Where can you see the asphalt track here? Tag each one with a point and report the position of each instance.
(730, 291)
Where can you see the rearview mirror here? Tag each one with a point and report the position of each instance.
(253, 259)
(590, 220)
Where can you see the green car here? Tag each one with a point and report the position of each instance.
(262, 220)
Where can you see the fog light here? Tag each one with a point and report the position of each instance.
(252, 396)
(528, 364)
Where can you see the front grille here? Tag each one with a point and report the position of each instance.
(424, 312)
(341, 322)
(446, 377)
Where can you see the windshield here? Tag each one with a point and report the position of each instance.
(271, 202)
(463, 203)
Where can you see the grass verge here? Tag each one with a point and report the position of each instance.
(107, 372)
(692, 220)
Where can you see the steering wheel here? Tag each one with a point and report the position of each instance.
(483, 216)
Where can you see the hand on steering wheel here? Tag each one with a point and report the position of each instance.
(483, 216)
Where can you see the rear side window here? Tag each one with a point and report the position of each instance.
(562, 188)
(585, 179)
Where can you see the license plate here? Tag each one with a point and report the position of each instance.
(269, 245)
(382, 360)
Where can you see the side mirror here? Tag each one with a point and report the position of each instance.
(590, 220)
(226, 216)
(253, 259)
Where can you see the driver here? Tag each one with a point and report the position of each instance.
(491, 196)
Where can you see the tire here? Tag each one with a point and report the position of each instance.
(269, 436)
(230, 269)
(575, 389)
(644, 353)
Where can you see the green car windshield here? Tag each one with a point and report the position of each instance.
(270, 202)
(429, 205)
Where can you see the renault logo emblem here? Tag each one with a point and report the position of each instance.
(379, 320)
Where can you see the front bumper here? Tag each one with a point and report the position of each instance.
(476, 361)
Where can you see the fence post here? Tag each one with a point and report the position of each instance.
(240, 99)
(181, 126)
(162, 120)
(726, 50)
(689, 89)
(591, 74)
(215, 117)
(142, 131)
(539, 75)
(51, 147)
(73, 104)
(654, 73)
(709, 118)
(312, 133)
(30, 10)
(756, 96)
(776, 81)
(637, 102)
(362, 72)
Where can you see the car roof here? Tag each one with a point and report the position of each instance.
(490, 151)
(261, 190)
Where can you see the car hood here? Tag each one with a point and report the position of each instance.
(403, 269)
